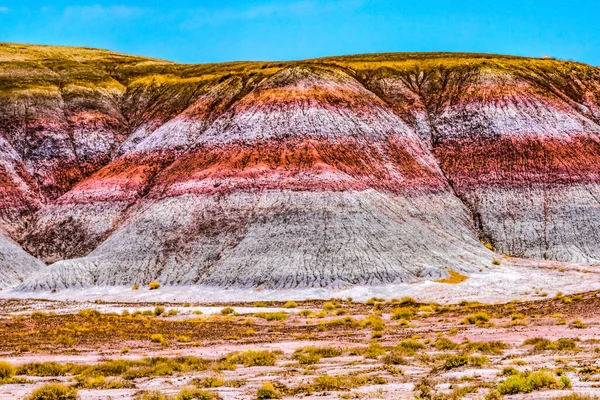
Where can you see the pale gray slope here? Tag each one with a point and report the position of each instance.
(281, 240)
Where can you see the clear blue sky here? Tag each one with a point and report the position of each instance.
(205, 31)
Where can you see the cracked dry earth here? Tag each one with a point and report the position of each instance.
(395, 349)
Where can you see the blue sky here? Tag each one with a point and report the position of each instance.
(206, 31)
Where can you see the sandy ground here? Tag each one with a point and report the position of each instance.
(513, 280)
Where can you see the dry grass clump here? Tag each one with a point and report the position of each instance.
(493, 347)
(344, 382)
(6, 370)
(151, 395)
(575, 396)
(290, 304)
(312, 355)
(479, 318)
(272, 316)
(541, 344)
(577, 324)
(195, 394)
(253, 358)
(227, 311)
(462, 360)
(374, 322)
(409, 346)
(267, 391)
(402, 313)
(453, 278)
(54, 391)
(445, 344)
(48, 369)
(529, 382)
(154, 285)
(159, 338)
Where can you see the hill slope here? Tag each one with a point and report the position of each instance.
(346, 170)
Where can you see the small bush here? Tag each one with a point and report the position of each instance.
(154, 285)
(135, 287)
(159, 310)
(227, 311)
(54, 391)
(267, 391)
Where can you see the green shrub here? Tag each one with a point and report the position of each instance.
(159, 310)
(227, 311)
(267, 391)
(54, 391)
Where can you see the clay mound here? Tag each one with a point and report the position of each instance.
(364, 169)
